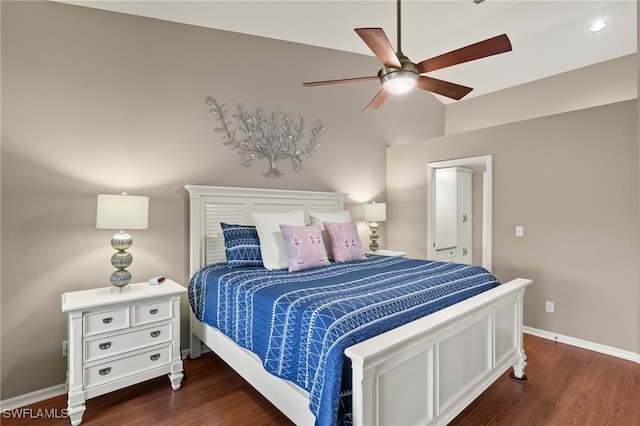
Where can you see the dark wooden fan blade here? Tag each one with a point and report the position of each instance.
(344, 80)
(444, 88)
(482, 49)
(377, 100)
(379, 44)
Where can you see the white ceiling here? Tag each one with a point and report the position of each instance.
(548, 36)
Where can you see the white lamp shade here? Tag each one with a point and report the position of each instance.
(122, 212)
(375, 212)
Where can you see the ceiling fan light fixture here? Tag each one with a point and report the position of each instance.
(400, 81)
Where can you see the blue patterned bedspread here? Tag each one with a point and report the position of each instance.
(299, 323)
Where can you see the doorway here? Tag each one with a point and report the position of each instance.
(481, 164)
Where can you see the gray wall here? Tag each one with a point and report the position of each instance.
(571, 180)
(98, 102)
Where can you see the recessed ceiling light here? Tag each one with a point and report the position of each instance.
(597, 26)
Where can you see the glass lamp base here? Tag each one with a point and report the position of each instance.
(374, 237)
(120, 279)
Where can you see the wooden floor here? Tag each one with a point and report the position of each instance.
(567, 386)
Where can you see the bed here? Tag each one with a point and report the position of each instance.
(423, 372)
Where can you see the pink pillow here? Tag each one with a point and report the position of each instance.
(304, 246)
(345, 241)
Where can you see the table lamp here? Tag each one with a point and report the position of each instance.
(374, 213)
(122, 212)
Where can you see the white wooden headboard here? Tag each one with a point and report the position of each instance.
(210, 205)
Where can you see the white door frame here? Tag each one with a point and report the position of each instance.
(469, 162)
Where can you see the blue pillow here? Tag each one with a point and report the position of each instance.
(241, 245)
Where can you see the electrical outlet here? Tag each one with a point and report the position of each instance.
(549, 307)
(65, 348)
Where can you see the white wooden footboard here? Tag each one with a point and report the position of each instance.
(428, 371)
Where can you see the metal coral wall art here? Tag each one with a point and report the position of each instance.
(275, 137)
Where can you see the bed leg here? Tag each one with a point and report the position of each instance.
(518, 369)
(195, 347)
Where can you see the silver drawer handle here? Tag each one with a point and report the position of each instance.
(154, 357)
(104, 346)
(153, 311)
(104, 371)
(107, 320)
(155, 333)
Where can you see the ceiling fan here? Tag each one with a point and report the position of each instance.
(399, 74)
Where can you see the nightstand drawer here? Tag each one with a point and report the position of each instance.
(107, 346)
(104, 321)
(152, 312)
(127, 366)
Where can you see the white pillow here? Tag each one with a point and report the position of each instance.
(334, 217)
(272, 248)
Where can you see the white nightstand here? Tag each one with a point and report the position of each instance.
(120, 339)
(390, 253)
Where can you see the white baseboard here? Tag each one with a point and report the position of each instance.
(33, 397)
(595, 347)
